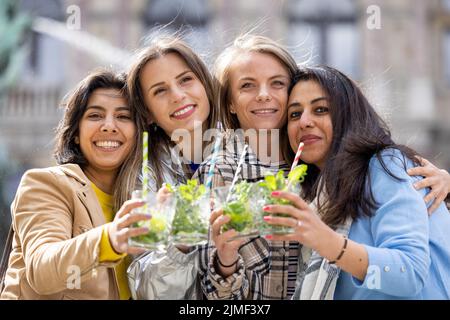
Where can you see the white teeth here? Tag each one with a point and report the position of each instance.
(263, 111)
(107, 144)
(183, 111)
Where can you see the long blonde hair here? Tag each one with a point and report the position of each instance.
(222, 69)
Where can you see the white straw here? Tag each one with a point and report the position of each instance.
(238, 171)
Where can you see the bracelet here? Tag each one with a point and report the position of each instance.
(342, 251)
(220, 262)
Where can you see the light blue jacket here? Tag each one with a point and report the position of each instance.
(409, 252)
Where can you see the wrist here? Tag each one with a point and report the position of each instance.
(108, 228)
(225, 260)
(226, 265)
(331, 245)
(225, 268)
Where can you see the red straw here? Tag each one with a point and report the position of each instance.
(297, 155)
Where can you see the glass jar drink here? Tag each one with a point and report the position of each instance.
(191, 221)
(238, 206)
(159, 225)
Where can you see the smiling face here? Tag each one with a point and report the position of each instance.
(173, 94)
(309, 121)
(259, 85)
(106, 131)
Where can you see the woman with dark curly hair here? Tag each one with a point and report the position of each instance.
(71, 223)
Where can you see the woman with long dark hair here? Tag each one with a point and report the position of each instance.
(366, 233)
(71, 222)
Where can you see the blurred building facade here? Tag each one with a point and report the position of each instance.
(398, 50)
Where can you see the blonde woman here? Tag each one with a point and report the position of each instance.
(254, 75)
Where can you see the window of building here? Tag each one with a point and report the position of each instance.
(325, 32)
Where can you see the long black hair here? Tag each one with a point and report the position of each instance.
(358, 134)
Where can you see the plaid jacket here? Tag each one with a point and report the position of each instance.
(264, 268)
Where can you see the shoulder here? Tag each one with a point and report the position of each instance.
(389, 180)
(46, 187)
(392, 160)
(56, 175)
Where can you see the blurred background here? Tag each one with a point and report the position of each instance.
(399, 51)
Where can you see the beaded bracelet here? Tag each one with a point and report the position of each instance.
(342, 251)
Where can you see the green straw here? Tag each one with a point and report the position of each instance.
(145, 171)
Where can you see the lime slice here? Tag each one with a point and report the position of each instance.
(157, 224)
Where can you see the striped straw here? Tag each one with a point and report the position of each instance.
(296, 160)
(238, 171)
(145, 171)
(216, 150)
(297, 155)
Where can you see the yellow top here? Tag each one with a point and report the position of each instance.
(107, 253)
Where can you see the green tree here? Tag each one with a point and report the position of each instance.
(13, 28)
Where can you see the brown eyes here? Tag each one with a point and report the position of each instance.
(295, 114)
(186, 79)
(158, 91)
(183, 80)
(318, 111)
(98, 116)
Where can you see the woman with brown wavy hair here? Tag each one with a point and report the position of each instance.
(71, 223)
(171, 87)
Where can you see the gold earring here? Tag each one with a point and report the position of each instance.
(77, 140)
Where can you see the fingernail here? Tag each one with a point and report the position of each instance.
(148, 216)
(276, 193)
(266, 208)
(415, 185)
(267, 218)
(269, 237)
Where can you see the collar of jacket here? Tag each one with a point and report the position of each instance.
(85, 193)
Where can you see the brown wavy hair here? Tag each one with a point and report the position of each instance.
(75, 104)
(159, 47)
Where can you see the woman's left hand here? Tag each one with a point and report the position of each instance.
(308, 228)
(436, 179)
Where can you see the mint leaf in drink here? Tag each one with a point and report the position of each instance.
(192, 203)
(241, 218)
